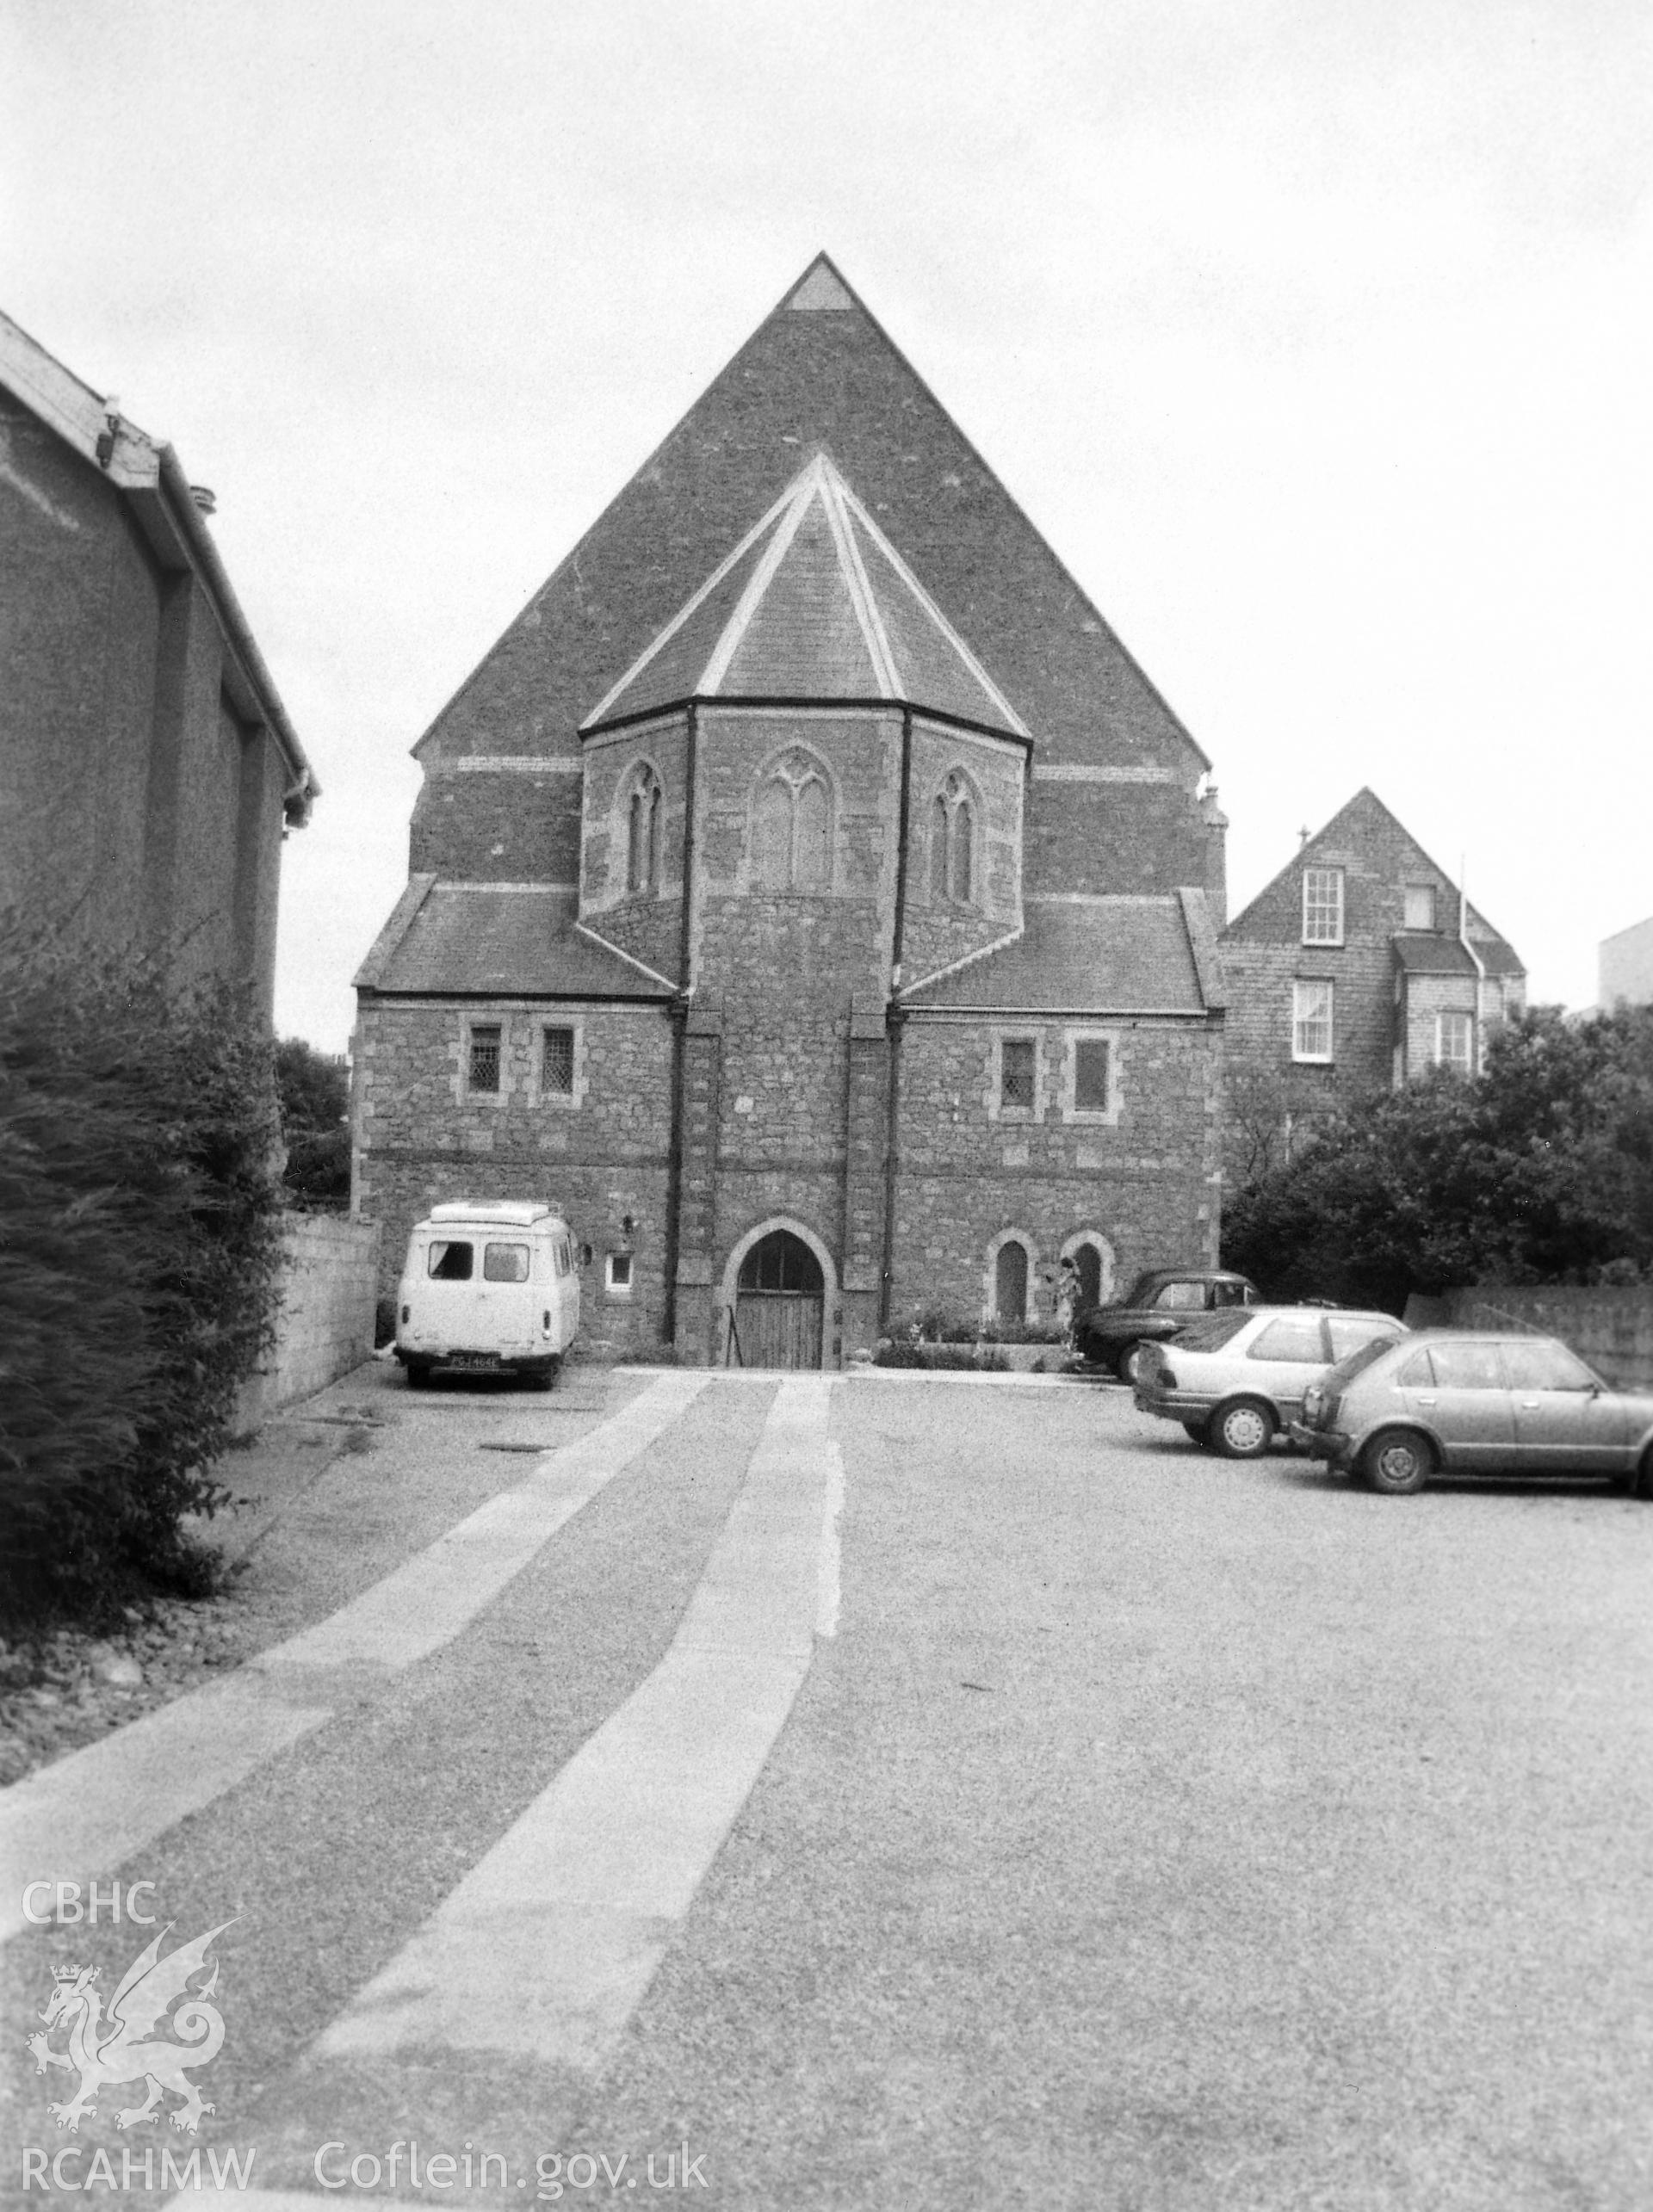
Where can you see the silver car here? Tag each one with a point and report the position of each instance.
(1456, 1402)
(1235, 1379)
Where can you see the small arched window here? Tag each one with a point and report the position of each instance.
(1010, 1282)
(643, 808)
(792, 827)
(952, 843)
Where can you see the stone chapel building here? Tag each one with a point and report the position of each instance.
(809, 895)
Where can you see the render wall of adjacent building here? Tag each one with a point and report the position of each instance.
(140, 807)
(1626, 968)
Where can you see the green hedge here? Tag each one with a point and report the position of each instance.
(139, 1264)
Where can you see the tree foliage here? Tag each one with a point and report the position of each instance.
(1539, 1170)
(314, 1091)
(139, 1262)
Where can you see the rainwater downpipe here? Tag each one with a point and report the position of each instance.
(1476, 1047)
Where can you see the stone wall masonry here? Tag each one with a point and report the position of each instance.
(1259, 1026)
(860, 752)
(649, 929)
(329, 1286)
(935, 930)
(1144, 1183)
(513, 826)
(611, 764)
(784, 968)
(945, 1235)
(602, 1156)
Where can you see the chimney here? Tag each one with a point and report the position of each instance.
(1216, 823)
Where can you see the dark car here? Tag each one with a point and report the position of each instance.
(1454, 1402)
(1158, 1304)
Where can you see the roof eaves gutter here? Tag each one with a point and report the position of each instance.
(766, 702)
(915, 1009)
(302, 788)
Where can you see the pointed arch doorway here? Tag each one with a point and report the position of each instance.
(778, 1309)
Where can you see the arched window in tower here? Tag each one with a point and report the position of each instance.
(643, 808)
(952, 843)
(792, 827)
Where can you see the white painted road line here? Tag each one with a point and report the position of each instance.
(572, 1909)
(88, 1813)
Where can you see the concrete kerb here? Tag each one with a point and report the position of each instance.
(772, 1374)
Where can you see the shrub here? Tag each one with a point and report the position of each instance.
(966, 1359)
(314, 1093)
(138, 1214)
(1538, 1170)
(1028, 1332)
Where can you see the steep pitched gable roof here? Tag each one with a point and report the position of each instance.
(818, 374)
(813, 603)
(1354, 821)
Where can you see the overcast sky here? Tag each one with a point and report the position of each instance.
(1316, 335)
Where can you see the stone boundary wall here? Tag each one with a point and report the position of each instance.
(1613, 1329)
(330, 1271)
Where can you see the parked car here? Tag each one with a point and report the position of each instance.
(1157, 1306)
(1236, 1379)
(1456, 1402)
(490, 1286)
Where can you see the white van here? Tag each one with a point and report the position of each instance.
(489, 1285)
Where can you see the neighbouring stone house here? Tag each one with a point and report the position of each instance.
(808, 893)
(1360, 966)
(147, 766)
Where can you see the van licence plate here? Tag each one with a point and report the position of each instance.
(473, 1359)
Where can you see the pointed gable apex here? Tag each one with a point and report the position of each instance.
(1356, 821)
(818, 374)
(820, 289)
(813, 603)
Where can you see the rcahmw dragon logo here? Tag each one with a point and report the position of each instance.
(123, 2048)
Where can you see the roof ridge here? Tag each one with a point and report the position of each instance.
(863, 597)
(888, 553)
(690, 606)
(794, 505)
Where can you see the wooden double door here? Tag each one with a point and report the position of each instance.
(779, 1305)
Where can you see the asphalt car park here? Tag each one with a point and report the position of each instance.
(1150, 1829)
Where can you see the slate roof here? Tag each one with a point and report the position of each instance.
(459, 940)
(813, 603)
(1106, 955)
(818, 376)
